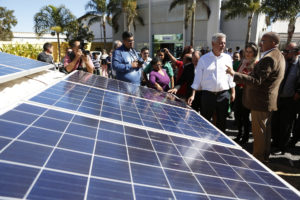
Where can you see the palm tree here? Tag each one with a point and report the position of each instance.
(54, 20)
(190, 13)
(242, 8)
(98, 12)
(283, 10)
(130, 8)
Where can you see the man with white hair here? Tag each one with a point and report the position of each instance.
(212, 80)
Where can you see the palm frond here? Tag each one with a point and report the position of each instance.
(94, 20)
(115, 20)
(206, 7)
(174, 3)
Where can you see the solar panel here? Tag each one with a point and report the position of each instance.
(46, 153)
(132, 110)
(125, 88)
(13, 67)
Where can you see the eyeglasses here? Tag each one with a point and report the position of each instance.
(130, 41)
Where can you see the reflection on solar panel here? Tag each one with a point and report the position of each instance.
(13, 67)
(46, 153)
(129, 109)
(75, 141)
(125, 88)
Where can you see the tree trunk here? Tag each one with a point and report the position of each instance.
(104, 32)
(128, 24)
(58, 44)
(250, 18)
(193, 28)
(291, 30)
(193, 22)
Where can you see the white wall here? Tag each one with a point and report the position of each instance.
(96, 28)
(282, 26)
(32, 38)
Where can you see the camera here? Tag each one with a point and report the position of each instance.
(82, 45)
(140, 62)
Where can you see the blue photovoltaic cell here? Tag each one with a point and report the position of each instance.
(4, 70)
(129, 109)
(152, 193)
(12, 67)
(26, 153)
(131, 163)
(19, 62)
(103, 190)
(70, 161)
(15, 180)
(125, 88)
(55, 185)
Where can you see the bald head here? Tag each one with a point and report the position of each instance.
(274, 37)
(292, 45)
(269, 41)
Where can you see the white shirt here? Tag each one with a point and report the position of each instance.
(266, 52)
(211, 74)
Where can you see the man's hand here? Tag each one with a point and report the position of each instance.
(230, 71)
(190, 100)
(85, 58)
(173, 91)
(232, 97)
(78, 53)
(135, 64)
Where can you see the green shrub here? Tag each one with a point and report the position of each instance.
(25, 50)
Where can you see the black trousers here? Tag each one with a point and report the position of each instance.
(215, 102)
(196, 105)
(241, 115)
(281, 123)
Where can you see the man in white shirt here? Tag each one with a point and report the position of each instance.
(211, 78)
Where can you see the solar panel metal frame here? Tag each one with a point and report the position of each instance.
(22, 73)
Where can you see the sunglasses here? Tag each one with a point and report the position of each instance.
(289, 51)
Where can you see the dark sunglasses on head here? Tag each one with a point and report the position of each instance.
(289, 51)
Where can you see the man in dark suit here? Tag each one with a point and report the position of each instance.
(282, 119)
(261, 92)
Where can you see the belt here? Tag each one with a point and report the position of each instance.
(216, 93)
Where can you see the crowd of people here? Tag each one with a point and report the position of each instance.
(258, 82)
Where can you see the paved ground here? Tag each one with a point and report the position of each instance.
(287, 166)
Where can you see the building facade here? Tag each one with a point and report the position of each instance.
(281, 27)
(166, 29)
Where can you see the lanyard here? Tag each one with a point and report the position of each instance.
(133, 56)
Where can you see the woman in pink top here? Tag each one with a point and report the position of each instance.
(159, 78)
(241, 112)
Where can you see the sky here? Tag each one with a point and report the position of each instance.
(24, 10)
